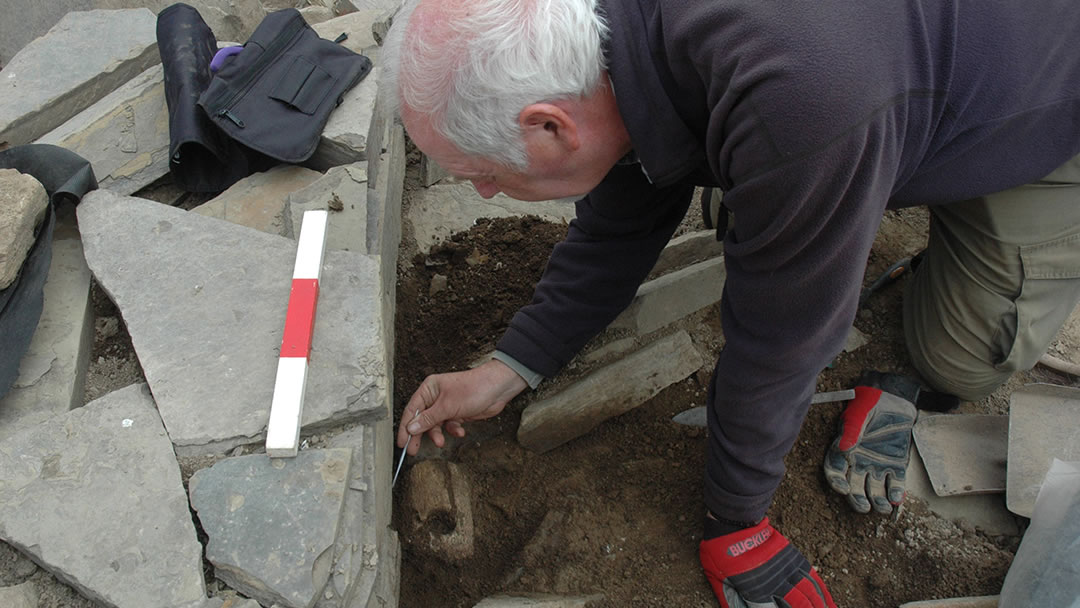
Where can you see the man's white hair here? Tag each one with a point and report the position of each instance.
(473, 72)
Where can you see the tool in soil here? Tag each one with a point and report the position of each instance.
(404, 451)
(696, 416)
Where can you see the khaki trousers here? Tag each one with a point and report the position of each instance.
(1000, 277)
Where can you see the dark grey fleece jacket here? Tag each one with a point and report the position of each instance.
(813, 117)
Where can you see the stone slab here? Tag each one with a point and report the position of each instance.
(539, 600)
(315, 14)
(81, 59)
(430, 171)
(687, 249)
(204, 301)
(1044, 424)
(260, 200)
(356, 25)
(125, 135)
(963, 454)
(986, 512)
(367, 564)
(346, 134)
(607, 392)
(985, 601)
(229, 19)
(52, 372)
(446, 208)
(381, 5)
(272, 522)
(343, 191)
(23, 203)
(670, 297)
(96, 498)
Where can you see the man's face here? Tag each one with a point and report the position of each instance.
(540, 182)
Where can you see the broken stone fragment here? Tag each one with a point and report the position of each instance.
(272, 522)
(438, 505)
(23, 203)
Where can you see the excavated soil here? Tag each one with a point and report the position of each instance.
(619, 510)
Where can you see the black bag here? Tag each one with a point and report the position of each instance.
(276, 95)
(66, 176)
(201, 157)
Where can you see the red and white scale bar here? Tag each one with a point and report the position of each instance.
(287, 407)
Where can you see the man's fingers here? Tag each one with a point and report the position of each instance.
(836, 468)
(455, 428)
(895, 487)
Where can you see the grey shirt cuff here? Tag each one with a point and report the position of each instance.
(531, 378)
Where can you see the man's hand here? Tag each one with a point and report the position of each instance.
(445, 401)
(758, 567)
(868, 460)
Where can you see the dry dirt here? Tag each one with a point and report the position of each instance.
(617, 511)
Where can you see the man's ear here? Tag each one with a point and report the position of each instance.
(550, 125)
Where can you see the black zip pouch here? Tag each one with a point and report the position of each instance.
(276, 95)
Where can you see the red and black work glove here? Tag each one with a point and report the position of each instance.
(758, 568)
(868, 460)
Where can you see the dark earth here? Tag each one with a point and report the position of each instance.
(619, 510)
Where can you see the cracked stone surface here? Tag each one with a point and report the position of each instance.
(204, 301)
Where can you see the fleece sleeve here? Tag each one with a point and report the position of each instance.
(593, 274)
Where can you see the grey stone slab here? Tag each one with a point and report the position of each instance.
(81, 59)
(607, 392)
(539, 600)
(315, 15)
(24, 595)
(356, 25)
(984, 511)
(1044, 424)
(345, 137)
(229, 19)
(446, 208)
(343, 191)
(52, 372)
(96, 499)
(125, 135)
(204, 301)
(381, 5)
(272, 522)
(963, 454)
(260, 200)
(385, 191)
(366, 552)
(430, 171)
(687, 249)
(670, 297)
(23, 203)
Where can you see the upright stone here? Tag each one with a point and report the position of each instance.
(52, 372)
(81, 59)
(125, 136)
(670, 297)
(607, 392)
(23, 203)
(446, 208)
(347, 133)
(272, 522)
(367, 553)
(342, 192)
(204, 301)
(688, 249)
(97, 500)
(260, 201)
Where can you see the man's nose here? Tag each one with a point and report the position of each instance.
(485, 188)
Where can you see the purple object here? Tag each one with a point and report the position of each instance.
(221, 56)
